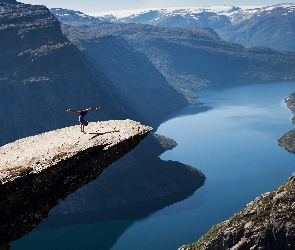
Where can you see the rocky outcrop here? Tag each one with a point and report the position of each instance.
(266, 223)
(42, 74)
(287, 141)
(38, 172)
(190, 58)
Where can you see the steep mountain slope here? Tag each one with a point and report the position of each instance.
(42, 74)
(212, 16)
(35, 179)
(268, 26)
(287, 141)
(192, 57)
(137, 84)
(40, 66)
(265, 223)
(271, 27)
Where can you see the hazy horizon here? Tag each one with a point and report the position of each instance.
(90, 6)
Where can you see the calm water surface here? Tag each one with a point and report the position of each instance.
(231, 138)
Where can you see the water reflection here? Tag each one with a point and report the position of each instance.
(99, 229)
(191, 110)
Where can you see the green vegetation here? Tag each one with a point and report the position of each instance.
(273, 209)
(287, 141)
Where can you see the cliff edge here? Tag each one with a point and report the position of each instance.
(268, 222)
(38, 172)
(287, 141)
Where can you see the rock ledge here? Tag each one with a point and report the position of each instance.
(38, 172)
(35, 153)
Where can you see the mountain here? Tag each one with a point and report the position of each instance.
(38, 172)
(211, 16)
(265, 223)
(190, 58)
(267, 26)
(41, 68)
(136, 82)
(287, 141)
(42, 74)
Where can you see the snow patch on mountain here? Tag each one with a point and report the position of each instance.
(221, 10)
(233, 13)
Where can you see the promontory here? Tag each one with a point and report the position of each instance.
(38, 172)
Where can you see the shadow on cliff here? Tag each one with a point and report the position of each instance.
(190, 110)
(98, 229)
(103, 227)
(26, 200)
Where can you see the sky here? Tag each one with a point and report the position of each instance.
(90, 6)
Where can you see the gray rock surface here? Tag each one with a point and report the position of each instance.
(42, 74)
(268, 222)
(36, 153)
(38, 172)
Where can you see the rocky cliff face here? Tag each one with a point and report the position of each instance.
(268, 222)
(128, 182)
(38, 172)
(138, 85)
(192, 57)
(287, 141)
(42, 74)
(267, 26)
(30, 39)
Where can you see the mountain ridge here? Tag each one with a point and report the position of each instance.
(227, 10)
(187, 57)
(265, 223)
(269, 25)
(42, 74)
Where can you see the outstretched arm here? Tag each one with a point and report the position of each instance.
(92, 109)
(74, 111)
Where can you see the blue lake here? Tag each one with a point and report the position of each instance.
(231, 138)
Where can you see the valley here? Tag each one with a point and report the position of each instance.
(149, 70)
